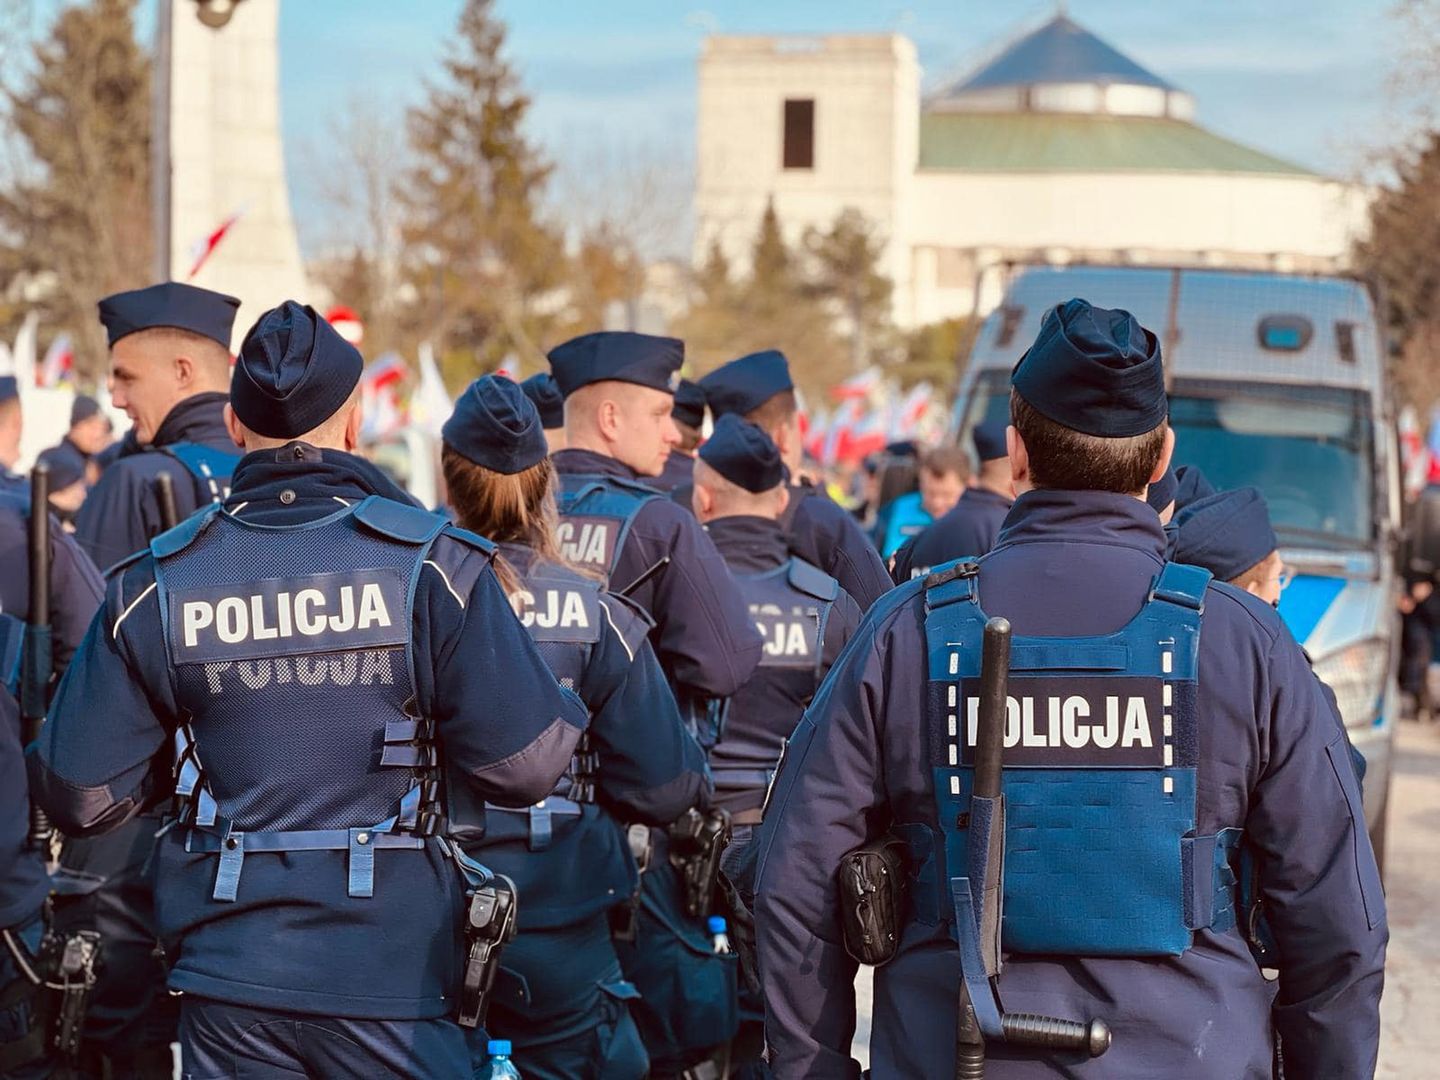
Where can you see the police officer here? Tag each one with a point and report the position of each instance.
(169, 369)
(803, 614)
(758, 387)
(562, 1001)
(89, 434)
(550, 403)
(619, 390)
(1230, 535)
(1190, 484)
(689, 417)
(317, 651)
(1227, 741)
(971, 527)
(76, 589)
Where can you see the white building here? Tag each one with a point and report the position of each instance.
(1060, 149)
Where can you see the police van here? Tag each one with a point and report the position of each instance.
(1277, 381)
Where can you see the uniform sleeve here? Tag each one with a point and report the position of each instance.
(119, 515)
(651, 768)
(76, 591)
(705, 639)
(839, 629)
(827, 793)
(1319, 881)
(902, 561)
(93, 767)
(506, 726)
(844, 551)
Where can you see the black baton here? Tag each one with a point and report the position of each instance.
(37, 657)
(165, 496)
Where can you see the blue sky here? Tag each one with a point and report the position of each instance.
(1303, 79)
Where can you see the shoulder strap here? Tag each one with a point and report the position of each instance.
(1182, 585)
(473, 540)
(176, 540)
(951, 583)
(812, 581)
(398, 522)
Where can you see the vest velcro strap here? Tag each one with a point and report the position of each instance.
(408, 756)
(972, 963)
(952, 584)
(299, 840)
(362, 862)
(1182, 585)
(232, 858)
(1210, 878)
(401, 731)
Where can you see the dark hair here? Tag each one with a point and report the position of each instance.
(1068, 460)
(775, 411)
(689, 436)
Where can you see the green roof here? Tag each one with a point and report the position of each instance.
(1083, 142)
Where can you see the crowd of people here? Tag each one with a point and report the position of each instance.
(562, 773)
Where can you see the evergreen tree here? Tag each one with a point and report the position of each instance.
(75, 220)
(845, 261)
(479, 253)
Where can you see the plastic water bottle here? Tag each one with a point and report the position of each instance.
(499, 1067)
(719, 941)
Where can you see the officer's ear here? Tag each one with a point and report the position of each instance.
(702, 501)
(352, 426)
(1019, 458)
(234, 427)
(782, 499)
(1165, 455)
(184, 369)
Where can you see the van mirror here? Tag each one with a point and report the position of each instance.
(1423, 557)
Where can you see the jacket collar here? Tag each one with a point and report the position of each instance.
(311, 474)
(749, 544)
(200, 418)
(1098, 517)
(589, 463)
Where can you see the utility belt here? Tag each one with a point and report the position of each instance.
(57, 979)
(697, 840)
(893, 880)
(541, 817)
(727, 779)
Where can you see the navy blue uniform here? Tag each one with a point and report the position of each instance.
(1271, 761)
(806, 619)
(561, 998)
(284, 929)
(825, 534)
(122, 511)
(677, 473)
(968, 530)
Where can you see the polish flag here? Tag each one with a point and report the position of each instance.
(201, 251)
(58, 364)
(858, 386)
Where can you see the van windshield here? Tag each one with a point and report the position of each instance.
(1308, 449)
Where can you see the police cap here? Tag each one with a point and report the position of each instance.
(989, 440)
(66, 464)
(496, 425)
(743, 454)
(689, 404)
(171, 304)
(1227, 533)
(619, 355)
(83, 408)
(1095, 371)
(1190, 484)
(545, 395)
(743, 385)
(1162, 493)
(293, 373)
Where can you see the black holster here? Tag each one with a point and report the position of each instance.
(489, 927)
(697, 840)
(874, 887)
(59, 978)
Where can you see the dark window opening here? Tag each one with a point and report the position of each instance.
(799, 152)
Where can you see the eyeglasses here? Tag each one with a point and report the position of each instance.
(1285, 577)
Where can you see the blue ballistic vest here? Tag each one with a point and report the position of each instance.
(561, 611)
(290, 658)
(790, 606)
(1101, 746)
(903, 518)
(210, 468)
(596, 513)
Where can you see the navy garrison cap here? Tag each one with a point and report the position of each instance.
(293, 373)
(545, 395)
(743, 454)
(689, 404)
(496, 425)
(743, 385)
(1162, 493)
(1190, 484)
(67, 465)
(173, 304)
(989, 440)
(9, 388)
(621, 355)
(1227, 533)
(83, 408)
(1095, 371)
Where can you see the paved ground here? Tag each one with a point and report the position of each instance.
(1410, 1012)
